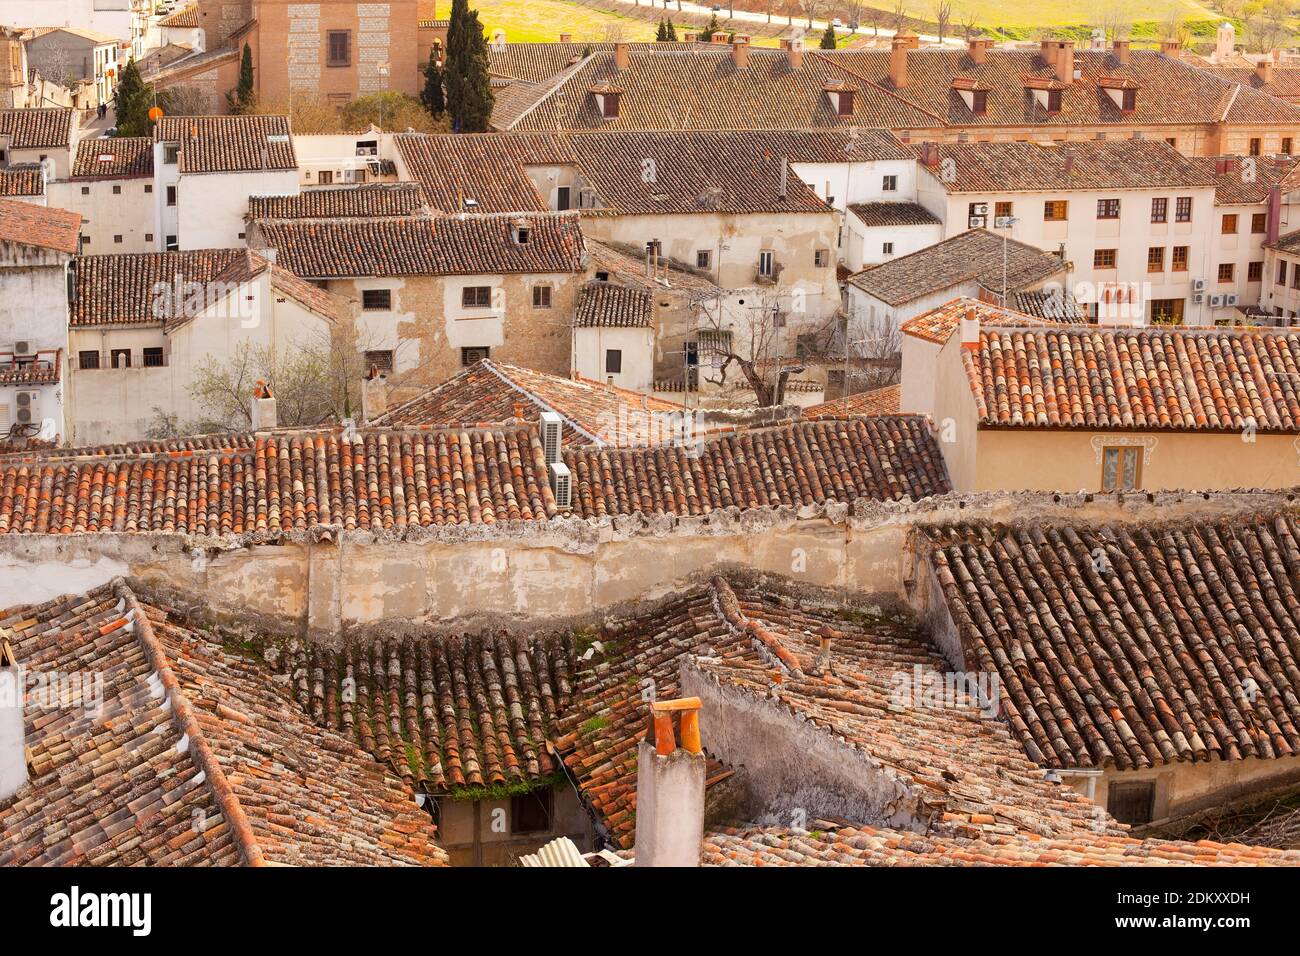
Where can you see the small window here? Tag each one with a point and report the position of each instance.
(148, 237)
(1053, 101)
(325, 177)
(1281, 273)
(171, 195)
(703, 259)
(887, 248)
(1002, 210)
(766, 263)
(1107, 208)
(120, 358)
(979, 102)
(531, 812)
(468, 356)
(1104, 259)
(117, 240)
(1121, 468)
(170, 153)
(1259, 222)
(613, 361)
(1178, 262)
(1160, 210)
(117, 190)
(85, 240)
(1132, 803)
(1156, 259)
(1286, 145)
(521, 235)
(476, 296)
(890, 184)
(153, 358)
(338, 45)
(1255, 272)
(148, 187)
(541, 297)
(1227, 271)
(1183, 209)
(821, 258)
(1256, 146)
(1055, 210)
(87, 359)
(380, 361)
(1128, 101)
(377, 300)
(1229, 224)
(564, 197)
(85, 190)
(1295, 277)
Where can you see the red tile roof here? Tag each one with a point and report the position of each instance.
(25, 179)
(606, 306)
(224, 144)
(1151, 379)
(118, 158)
(878, 401)
(876, 214)
(183, 18)
(123, 289)
(371, 199)
(47, 228)
(41, 372)
(194, 758)
(940, 323)
(37, 128)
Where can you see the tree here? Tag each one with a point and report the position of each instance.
(1112, 18)
(943, 16)
(185, 100)
(243, 98)
(874, 17)
(672, 31)
(432, 96)
(828, 38)
(661, 35)
(311, 113)
(131, 101)
(900, 15)
(968, 17)
(713, 27)
(469, 91)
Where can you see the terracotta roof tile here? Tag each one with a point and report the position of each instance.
(24, 179)
(224, 144)
(183, 18)
(940, 323)
(32, 225)
(118, 158)
(371, 199)
(878, 401)
(893, 214)
(602, 305)
(122, 289)
(37, 128)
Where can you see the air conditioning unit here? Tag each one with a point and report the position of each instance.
(980, 209)
(1216, 301)
(552, 429)
(1231, 298)
(976, 222)
(23, 348)
(1198, 297)
(561, 485)
(28, 407)
(367, 150)
(1198, 285)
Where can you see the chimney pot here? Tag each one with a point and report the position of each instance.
(670, 787)
(1120, 48)
(1170, 48)
(374, 396)
(978, 48)
(13, 732)
(566, 37)
(262, 412)
(622, 56)
(970, 329)
(740, 54)
(898, 61)
(1264, 70)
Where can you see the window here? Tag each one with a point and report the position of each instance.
(979, 102)
(85, 240)
(1286, 145)
(1281, 273)
(531, 812)
(358, 175)
(890, 184)
(153, 357)
(118, 240)
(1053, 101)
(1167, 311)
(1055, 210)
(148, 237)
(325, 177)
(476, 296)
(171, 195)
(1107, 208)
(1103, 259)
(1229, 227)
(1002, 210)
(85, 190)
(380, 361)
(821, 258)
(1226, 271)
(172, 244)
(1295, 277)
(1259, 222)
(1120, 469)
(148, 188)
(887, 248)
(88, 360)
(376, 299)
(1183, 209)
(468, 356)
(1128, 101)
(613, 361)
(766, 263)
(339, 42)
(521, 235)
(1160, 210)
(564, 197)
(117, 190)
(703, 259)
(1255, 272)
(170, 153)
(541, 297)
(1156, 259)
(1256, 146)
(1132, 803)
(1178, 262)
(120, 358)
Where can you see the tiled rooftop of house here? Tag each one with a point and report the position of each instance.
(1153, 378)
(228, 144)
(26, 179)
(607, 306)
(120, 157)
(419, 245)
(37, 128)
(44, 227)
(1133, 646)
(1284, 82)
(874, 214)
(183, 18)
(939, 324)
(974, 256)
(43, 371)
(1248, 180)
(341, 202)
(1086, 165)
(876, 401)
(489, 391)
(192, 756)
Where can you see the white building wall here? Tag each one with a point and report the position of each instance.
(130, 213)
(210, 208)
(590, 348)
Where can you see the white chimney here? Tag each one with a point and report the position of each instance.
(970, 329)
(13, 736)
(1225, 38)
(374, 396)
(262, 410)
(670, 787)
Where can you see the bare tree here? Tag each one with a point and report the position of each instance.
(1112, 18)
(1174, 25)
(184, 100)
(968, 18)
(900, 15)
(942, 16)
(875, 16)
(1269, 27)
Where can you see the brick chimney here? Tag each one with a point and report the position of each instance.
(622, 56)
(262, 410)
(1120, 49)
(1264, 70)
(794, 53)
(898, 48)
(374, 396)
(1059, 55)
(1170, 48)
(670, 787)
(13, 733)
(978, 48)
(929, 154)
(566, 37)
(740, 53)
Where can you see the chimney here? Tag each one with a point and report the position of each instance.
(621, 56)
(1264, 70)
(1274, 213)
(740, 54)
(794, 53)
(1224, 40)
(825, 637)
(970, 329)
(1069, 162)
(930, 154)
(1170, 48)
(689, 37)
(262, 410)
(898, 62)
(374, 396)
(566, 37)
(519, 411)
(1063, 65)
(782, 176)
(670, 787)
(1120, 49)
(978, 48)
(13, 734)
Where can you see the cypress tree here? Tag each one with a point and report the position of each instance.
(469, 92)
(828, 38)
(432, 96)
(243, 98)
(661, 35)
(672, 31)
(131, 101)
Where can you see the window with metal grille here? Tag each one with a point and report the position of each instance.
(468, 356)
(1160, 210)
(325, 177)
(120, 358)
(613, 361)
(1183, 209)
(1132, 802)
(1107, 208)
(380, 361)
(153, 357)
(339, 46)
(476, 296)
(377, 299)
(87, 359)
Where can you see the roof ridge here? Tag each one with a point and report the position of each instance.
(241, 830)
(727, 606)
(537, 400)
